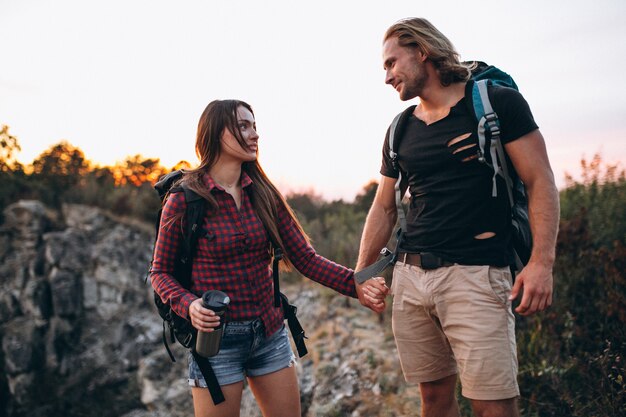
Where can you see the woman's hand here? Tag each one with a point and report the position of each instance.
(372, 294)
(202, 318)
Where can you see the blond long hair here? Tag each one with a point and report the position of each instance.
(264, 196)
(419, 33)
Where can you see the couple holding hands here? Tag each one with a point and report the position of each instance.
(455, 319)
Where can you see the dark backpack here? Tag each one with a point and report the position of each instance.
(180, 329)
(490, 152)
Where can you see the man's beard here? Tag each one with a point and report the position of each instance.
(416, 87)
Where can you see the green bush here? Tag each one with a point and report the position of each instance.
(572, 357)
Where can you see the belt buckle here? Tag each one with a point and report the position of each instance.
(430, 261)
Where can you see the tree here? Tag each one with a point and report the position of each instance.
(363, 201)
(9, 147)
(137, 170)
(306, 205)
(13, 182)
(60, 168)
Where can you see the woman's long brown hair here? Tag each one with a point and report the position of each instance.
(264, 196)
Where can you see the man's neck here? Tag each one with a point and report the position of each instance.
(437, 100)
(436, 97)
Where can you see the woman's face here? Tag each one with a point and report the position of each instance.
(231, 148)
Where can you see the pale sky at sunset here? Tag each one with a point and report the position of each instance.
(119, 78)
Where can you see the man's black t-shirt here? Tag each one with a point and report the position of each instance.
(451, 199)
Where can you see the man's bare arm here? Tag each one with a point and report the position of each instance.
(379, 223)
(376, 232)
(529, 157)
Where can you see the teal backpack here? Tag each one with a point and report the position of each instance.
(490, 152)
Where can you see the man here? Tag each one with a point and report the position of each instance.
(457, 318)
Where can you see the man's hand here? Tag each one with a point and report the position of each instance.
(372, 293)
(536, 281)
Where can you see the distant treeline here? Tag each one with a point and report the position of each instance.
(63, 174)
(572, 357)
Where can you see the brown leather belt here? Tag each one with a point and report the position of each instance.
(424, 260)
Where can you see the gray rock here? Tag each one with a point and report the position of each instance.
(28, 220)
(9, 306)
(36, 299)
(90, 292)
(22, 346)
(67, 250)
(306, 376)
(61, 340)
(67, 293)
(164, 382)
(90, 219)
(5, 241)
(21, 387)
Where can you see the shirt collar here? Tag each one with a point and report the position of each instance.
(211, 184)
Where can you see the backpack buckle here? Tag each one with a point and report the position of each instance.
(481, 156)
(394, 160)
(493, 124)
(186, 340)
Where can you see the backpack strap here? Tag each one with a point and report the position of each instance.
(281, 300)
(396, 130)
(488, 121)
(296, 330)
(194, 215)
(278, 256)
(209, 377)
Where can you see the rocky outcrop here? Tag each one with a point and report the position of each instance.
(79, 334)
(74, 314)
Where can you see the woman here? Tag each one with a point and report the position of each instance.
(245, 213)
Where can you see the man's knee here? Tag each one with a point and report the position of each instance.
(496, 408)
(439, 392)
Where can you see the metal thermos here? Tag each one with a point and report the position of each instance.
(208, 343)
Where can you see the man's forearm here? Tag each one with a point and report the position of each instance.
(543, 211)
(376, 232)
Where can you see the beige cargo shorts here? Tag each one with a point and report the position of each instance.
(456, 319)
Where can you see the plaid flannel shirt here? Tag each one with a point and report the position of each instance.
(233, 256)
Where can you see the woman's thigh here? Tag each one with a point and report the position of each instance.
(277, 393)
(203, 404)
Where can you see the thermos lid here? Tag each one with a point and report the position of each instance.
(215, 300)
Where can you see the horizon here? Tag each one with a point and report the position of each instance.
(288, 189)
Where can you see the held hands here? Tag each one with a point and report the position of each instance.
(202, 318)
(536, 279)
(372, 293)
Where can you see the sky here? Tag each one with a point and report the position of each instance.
(125, 77)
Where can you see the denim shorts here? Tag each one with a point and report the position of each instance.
(246, 351)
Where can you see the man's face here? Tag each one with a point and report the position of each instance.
(404, 69)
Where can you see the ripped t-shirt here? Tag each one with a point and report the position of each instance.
(451, 209)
